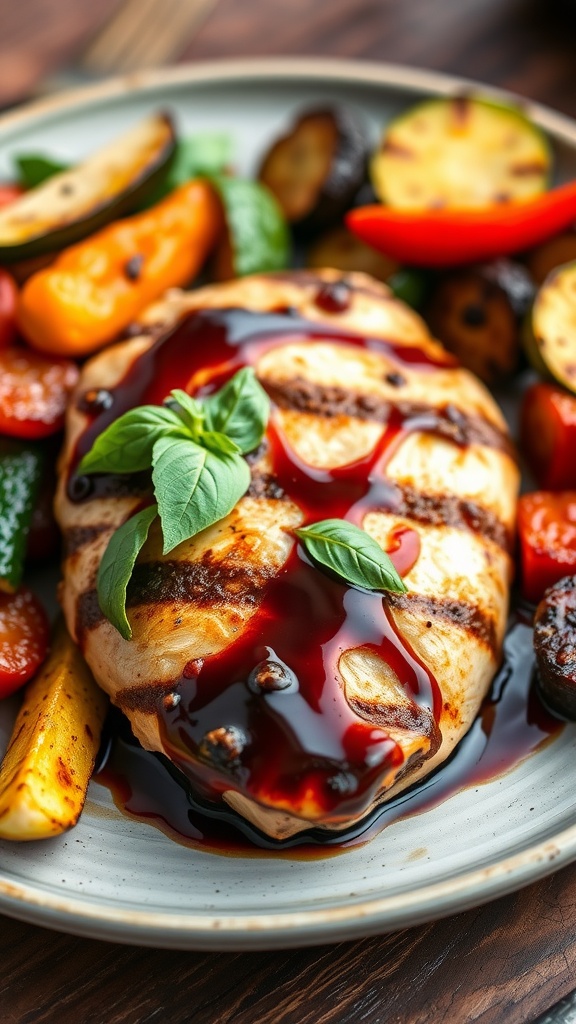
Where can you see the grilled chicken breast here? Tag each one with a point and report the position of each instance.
(299, 702)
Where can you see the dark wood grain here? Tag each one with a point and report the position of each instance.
(501, 964)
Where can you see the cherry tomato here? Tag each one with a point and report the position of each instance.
(34, 390)
(24, 637)
(548, 436)
(8, 299)
(547, 529)
(8, 193)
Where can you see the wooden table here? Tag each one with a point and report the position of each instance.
(506, 962)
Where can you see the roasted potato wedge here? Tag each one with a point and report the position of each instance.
(50, 758)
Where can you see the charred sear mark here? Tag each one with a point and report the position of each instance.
(147, 699)
(265, 485)
(450, 510)
(407, 716)
(392, 148)
(76, 537)
(459, 613)
(461, 110)
(207, 582)
(88, 613)
(104, 485)
(526, 170)
(447, 421)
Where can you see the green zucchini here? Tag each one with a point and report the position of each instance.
(460, 153)
(74, 203)
(550, 337)
(20, 475)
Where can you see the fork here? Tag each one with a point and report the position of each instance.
(141, 34)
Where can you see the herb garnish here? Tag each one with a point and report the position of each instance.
(195, 450)
(350, 553)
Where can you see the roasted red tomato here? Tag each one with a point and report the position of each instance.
(34, 390)
(548, 436)
(547, 529)
(24, 637)
(8, 298)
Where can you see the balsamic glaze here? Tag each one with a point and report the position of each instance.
(300, 747)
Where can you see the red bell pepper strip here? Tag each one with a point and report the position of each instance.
(8, 300)
(445, 237)
(548, 436)
(34, 390)
(24, 638)
(547, 531)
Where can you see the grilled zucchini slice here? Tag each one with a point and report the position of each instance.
(76, 202)
(460, 153)
(551, 342)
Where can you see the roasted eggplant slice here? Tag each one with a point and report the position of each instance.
(473, 317)
(316, 169)
(555, 646)
(342, 250)
(460, 152)
(551, 337)
(546, 257)
(77, 202)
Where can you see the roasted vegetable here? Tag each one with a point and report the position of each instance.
(447, 238)
(50, 758)
(96, 288)
(555, 647)
(34, 391)
(342, 250)
(24, 635)
(547, 533)
(473, 318)
(8, 300)
(20, 475)
(551, 254)
(551, 335)
(459, 153)
(548, 436)
(316, 169)
(72, 204)
(256, 238)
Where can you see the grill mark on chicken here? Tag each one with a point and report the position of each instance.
(207, 582)
(459, 613)
(301, 395)
(89, 615)
(145, 698)
(76, 537)
(450, 510)
(265, 485)
(399, 716)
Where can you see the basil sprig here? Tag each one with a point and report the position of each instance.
(195, 451)
(350, 553)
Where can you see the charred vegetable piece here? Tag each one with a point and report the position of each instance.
(47, 767)
(461, 153)
(256, 238)
(341, 250)
(34, 391)
(24, 635)
(8, 302)
(93, 290)
(550, 255)
(555, 647)
(20, 475)
(73, 204)
(316, 169)
(547, 533)
(473, 318)
(551, 342)
(548, 436)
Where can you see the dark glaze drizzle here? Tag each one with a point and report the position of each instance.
(301, 747)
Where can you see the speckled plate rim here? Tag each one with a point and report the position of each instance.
(367, 917)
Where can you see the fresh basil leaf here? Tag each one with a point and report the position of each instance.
(188, 409)
(126, 445)
(240, 410)
(117, 564)
(352, 554)
(257, 229)
(33, 169)
(197, 156)
(217, 442)
(194, 487)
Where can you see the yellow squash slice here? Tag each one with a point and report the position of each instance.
(551, 343)
(50, 758)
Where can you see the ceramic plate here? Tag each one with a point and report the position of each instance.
(124, 880)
